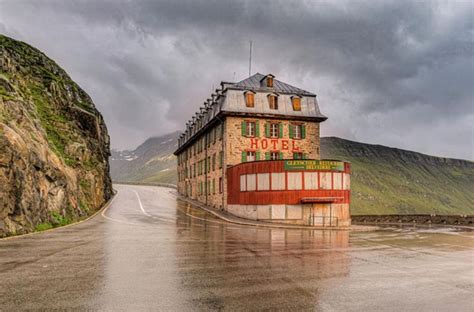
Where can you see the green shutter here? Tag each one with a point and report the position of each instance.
(267, 156)
(257, 129)
(290, 129)
(303, 131)
(281, 155)
(267, 130)
(244, 128)
(295, 156)
(257, 155)
(280, 125)
(244, 156)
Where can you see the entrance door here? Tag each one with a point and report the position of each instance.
(322, 215)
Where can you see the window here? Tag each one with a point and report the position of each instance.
(221, 159)
(249, 99)
(269, 81)
(274, 155)
(250, 156)
(213, 162)
(297, 155)
(297, 131)
(296, 102)
(209, 164)
(273, 101)
(250, 129)
(221, 185)
(274, 130)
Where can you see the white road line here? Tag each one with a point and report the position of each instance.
(141, 206)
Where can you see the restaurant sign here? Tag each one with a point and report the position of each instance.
(332, 165)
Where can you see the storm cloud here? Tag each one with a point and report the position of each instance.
(394, 73)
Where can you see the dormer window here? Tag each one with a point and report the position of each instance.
(273, 101)
(267, 81)
(296, 103)
(270, 82)
(249, 99)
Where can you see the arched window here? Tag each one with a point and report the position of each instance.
(273, 101)
(296, 103)
(249, 99)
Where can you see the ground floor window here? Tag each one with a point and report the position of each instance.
(297, 155)
(250, 156)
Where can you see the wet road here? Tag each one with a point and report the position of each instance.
(151, 252)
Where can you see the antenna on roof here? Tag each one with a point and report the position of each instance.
(250, 59)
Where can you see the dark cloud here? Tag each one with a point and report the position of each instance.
(393, 72)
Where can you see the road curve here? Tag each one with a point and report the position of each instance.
(151, 251)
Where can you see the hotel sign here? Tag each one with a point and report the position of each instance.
(314, 165)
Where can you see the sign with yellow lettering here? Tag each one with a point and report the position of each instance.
(332, 165)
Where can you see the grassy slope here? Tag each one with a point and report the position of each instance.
(387, 180)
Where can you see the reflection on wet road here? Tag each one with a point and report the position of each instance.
(150, 251)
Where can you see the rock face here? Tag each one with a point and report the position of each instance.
(54, 145)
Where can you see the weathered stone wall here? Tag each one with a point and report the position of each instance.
(209, 178)
(420, 219)
(236, 143)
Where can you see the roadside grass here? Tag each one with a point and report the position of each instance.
(57, 220)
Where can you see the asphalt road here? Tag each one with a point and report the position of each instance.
(152, 252)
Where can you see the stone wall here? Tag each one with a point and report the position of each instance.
(203, 187)
(236, 143)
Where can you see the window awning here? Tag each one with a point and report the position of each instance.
(308, 200)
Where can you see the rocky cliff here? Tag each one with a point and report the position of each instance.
(54, 145)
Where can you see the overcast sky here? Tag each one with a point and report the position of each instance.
(388, 72)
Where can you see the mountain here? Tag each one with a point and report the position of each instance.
(389, 180)
(152, 161)
(54, 145)
(385, 180)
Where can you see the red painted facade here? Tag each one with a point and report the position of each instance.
(290, 197)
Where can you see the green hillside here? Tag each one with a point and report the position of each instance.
(384, 180)
(393, 181)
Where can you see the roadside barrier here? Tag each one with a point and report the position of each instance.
(467, 220)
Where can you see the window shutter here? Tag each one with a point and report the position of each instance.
(257, 129)
(257, 155)
(295, 155)
(280, 125)
(281, 155)
(244, 156)
(244, 128)
(267, 156)
(305, 156)
(267, 130)
(303, 131)
(290, 128)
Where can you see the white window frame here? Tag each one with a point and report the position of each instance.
(251, 156)
(251, 125)
(297, 131)
(274, 130)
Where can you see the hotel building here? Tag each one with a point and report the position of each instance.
(253, 150)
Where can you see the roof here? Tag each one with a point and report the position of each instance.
(254, 83)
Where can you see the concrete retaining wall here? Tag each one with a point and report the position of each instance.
(421, 219)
